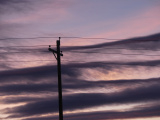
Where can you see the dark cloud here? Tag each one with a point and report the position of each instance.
(143, 93)
(13, 6)
(144, 112)
(35, 73)
(110, 65)
(4, 2)
(44, 72)
(142, 43)
(8, 9)
(70, 69)
(151, 42)
(44, 78)
(40, 107)
(4, 66)
(44, 118)
(19, 99)
(79, 101)
(148, 42)
(72, 84)
(73, 70)
(27, 88)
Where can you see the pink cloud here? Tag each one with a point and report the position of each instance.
(144, 23)
(41, 13)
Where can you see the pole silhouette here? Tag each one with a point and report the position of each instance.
(58, 58)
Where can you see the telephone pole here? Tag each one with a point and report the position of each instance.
(58, 58)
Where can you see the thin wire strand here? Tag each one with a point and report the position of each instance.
(73, 61)
(74, 37)
(26, 61)
(73, 46)
(27, 38)
(92, 38)
(118, 49)
(76, 52)
(26, 46)
(117, 53)
(61, 37)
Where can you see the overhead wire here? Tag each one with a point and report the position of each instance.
(67, 46)
(70, 37)
(82, 53)
(73, 51)
(26, 38)
(76, 51)
(25, 61)
(25, 46)
(61, 37)
(71, 61)
(30, 46)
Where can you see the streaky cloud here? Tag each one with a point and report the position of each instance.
(70, 84)
(27, 88)
(146, 42)
(72, 69)
(87, 100)
(145, 112)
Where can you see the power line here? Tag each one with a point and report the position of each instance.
(118, 53)
(61, 37)
(26, 46)
(74, 46)
(25, 61)
(118, 48)
(76, 61)
(73, 37)
(21, 52)
(39, 61)
(26, 38)
(80, 52)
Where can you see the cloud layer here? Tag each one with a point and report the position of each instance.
(101, 78)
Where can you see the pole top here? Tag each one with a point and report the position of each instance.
(58, 41)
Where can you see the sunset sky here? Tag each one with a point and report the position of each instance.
(110, 67)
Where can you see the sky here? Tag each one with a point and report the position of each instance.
(110, 67)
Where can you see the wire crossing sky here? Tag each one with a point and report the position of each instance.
(110, 67)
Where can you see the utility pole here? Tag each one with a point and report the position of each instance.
(58, 58)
